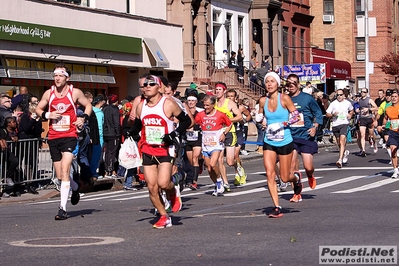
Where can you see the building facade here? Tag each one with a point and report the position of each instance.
(106, 48)
(339, 27)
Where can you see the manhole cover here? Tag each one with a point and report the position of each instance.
(66, 241)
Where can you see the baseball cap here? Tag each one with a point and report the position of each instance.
(388, 92)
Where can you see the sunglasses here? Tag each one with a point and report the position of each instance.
(339, 94)
(149, 82)
(364, 92)
(7, 101)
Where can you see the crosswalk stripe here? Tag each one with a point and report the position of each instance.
(368, 186)
(328, 184)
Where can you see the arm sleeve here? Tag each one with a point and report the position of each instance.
(136, 128)
(184, 122)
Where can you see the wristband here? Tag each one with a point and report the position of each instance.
(45, 115)
(86, 116)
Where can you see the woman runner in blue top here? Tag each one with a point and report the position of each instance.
(277, 112)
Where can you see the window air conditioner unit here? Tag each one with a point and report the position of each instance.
(328, 18)
(359, 17)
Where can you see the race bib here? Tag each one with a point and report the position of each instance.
(275, 132)
(192, 135)
(300, 123)
(395, 124)
(210, 138)
(154, 134)
(342, 116)
(62, 124)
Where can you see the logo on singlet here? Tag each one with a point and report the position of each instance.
(61, 107)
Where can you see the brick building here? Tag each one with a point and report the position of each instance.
(335, 28)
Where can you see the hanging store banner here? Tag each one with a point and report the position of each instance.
(34, 33)
(314, 73)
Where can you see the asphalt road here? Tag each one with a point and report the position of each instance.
(355, 205)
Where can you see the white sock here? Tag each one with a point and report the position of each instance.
(74, 185)
(389, 153)
(219, 180)
(65, 186)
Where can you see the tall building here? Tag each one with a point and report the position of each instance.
(339, 27)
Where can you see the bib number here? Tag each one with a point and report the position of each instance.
(192, 135)
(153, 135)
(62, 124)
(275, 132)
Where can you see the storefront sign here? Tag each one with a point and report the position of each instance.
(34, 33)
(314, 73)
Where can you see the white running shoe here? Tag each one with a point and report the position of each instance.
(346, 154)
(219, 187)
(395, 173)
(381, 141)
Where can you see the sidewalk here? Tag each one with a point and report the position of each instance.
(117, 184)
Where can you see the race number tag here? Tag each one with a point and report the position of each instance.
(210, 138)
(395, 124)
(62, 124)
(192, 135)
(275, 132)
(341, 116)
(153, 135)
(300, 123)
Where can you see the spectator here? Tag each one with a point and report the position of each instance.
(9, 133)
(240, 63)
(232, 60)
(308, 89)
(30, 130)
(98, 103)
(224, 62)
(21, 99)
(5, 108)
(381, 98)
(266, 63)
(111, 135)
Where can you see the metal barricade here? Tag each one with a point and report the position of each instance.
(34, 162)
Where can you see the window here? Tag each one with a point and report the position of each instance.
(294, 45)
(302, 45)
(328, 6)
(285, 45)
(360, 49)
(329, 44)
(359, 7)
(240, 32)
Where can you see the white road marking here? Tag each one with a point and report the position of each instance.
(368, 186)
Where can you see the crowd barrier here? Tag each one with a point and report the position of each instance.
(34, 161)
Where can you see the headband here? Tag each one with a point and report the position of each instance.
(222, 86)
(192, 98)
(154, 78)
(62, 72)
(274, 75)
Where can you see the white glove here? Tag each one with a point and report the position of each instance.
(259, 117)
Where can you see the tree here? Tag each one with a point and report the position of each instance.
(391, 65)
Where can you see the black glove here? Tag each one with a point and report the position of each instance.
(168, 138)
(136, 137)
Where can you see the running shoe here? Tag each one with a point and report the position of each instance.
(163, 222)
(243, 180)
(346, 154)
(381, 141)
(129, 188)
(240, 170)
(375, 150)
(193, 186)
(62, 215)
(362, 153)
(226, 187)
(312, 182)
(244, 152)
(339, 163)
(215, 193)
(9, 182)
(395, 173)
(75, 197)
(219, 187)
(298, 183)
(283, 185)
(175, 201)
(296, 198)
(276, 213)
